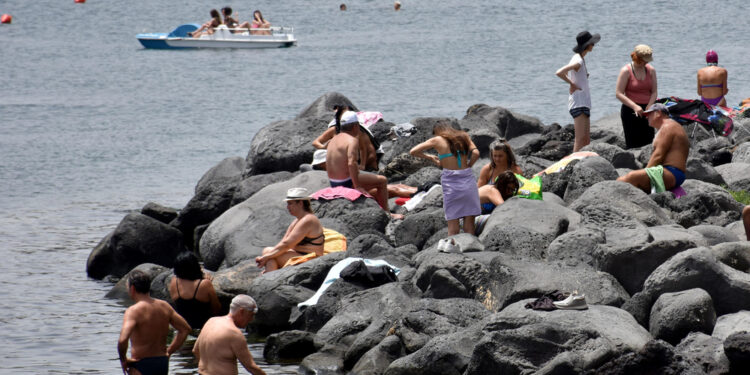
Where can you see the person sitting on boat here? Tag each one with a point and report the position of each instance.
(259, 26)
(304, 235)
(208, 27)
(229, 21)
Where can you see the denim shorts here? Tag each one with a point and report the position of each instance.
(575, 112)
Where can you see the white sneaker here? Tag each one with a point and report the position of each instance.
(573, 302)
(451, 246)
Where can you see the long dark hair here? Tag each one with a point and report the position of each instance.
(458, 140)
(260, 14)
(502, 145)
(215, 15)
(186, 266)
(507, 184)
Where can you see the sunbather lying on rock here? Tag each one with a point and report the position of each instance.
(304, 235)
(666, 168)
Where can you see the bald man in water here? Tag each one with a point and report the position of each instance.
(221, 343)
(146, 326)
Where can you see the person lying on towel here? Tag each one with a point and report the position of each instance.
(666, 168)
(304, 235)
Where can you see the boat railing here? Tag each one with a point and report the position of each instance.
(273, 29)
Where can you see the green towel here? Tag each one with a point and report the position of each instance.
(656, 175)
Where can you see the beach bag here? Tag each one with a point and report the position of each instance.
(368, 276)
(529, 188)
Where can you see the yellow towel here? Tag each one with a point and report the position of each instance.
(334, 242)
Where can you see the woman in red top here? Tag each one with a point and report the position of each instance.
(636, 89)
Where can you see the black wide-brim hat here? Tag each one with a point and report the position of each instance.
(584, 39)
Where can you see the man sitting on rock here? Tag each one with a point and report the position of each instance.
(342, 162)
(666, 168)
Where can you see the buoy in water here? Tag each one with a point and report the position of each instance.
(6, 18)
(80, 1)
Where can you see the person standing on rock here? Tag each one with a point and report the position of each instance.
(576, 75)
(637, 90)
(221, 342)
(146, 326)
(666, 167)
(342, 161)
(456, 154)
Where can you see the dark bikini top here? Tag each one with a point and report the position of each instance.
(309, 241)
(195, 312)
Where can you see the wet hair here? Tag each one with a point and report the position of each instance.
(457, 139)
(259, 13)
(502, 145)
(140, 280)
(227, 11)
(507, 184)
(186, 266)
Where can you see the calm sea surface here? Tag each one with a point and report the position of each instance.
(93, 126)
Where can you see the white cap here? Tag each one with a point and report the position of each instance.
(348, 117)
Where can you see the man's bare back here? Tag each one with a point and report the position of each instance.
(337, 156)
(149, 337)
(220, 345)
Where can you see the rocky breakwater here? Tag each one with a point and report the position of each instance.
(667, 280)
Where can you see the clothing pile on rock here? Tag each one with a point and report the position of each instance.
(558, 300)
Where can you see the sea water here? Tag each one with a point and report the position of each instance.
(93, 126)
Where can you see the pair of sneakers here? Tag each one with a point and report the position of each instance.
(448, 245)
(573, 302)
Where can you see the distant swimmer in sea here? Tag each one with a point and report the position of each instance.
(146, 326)
(637, 90)
(397, 6)
(712, 81)
(666, 167)
(576, 75)
(208, 27)
(342, 7)
(192, 292)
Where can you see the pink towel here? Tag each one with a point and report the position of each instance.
(366, 119)
(339, 192)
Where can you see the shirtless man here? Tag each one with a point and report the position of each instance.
(712, 81)
(146, 325)
(221, 343)
(671, 146)
(342, 163)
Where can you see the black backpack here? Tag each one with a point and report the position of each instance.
(368, 276)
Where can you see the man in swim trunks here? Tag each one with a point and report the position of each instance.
(671, 147)
(341, 162)
(221, 343)
(146, 326)
(712, 81)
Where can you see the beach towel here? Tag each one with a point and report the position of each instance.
(562, 163)
(418, 197)
(330, 193)
(460, 193)
(334, 242)
(367, 119)
(334, 273)
(656, 175)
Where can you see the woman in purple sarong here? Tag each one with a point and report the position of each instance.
(456, 155)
